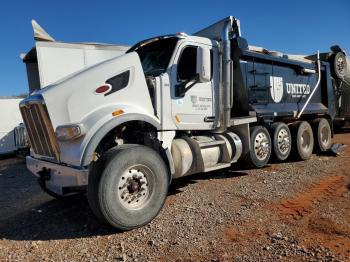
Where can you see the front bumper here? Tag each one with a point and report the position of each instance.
(57, 177)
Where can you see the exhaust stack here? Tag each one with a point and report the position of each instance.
(222, 31)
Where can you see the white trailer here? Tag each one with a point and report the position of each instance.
(12, 134)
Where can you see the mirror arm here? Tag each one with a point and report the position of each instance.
(181, 88)
(195, 79)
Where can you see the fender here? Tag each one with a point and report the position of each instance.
(108, 126)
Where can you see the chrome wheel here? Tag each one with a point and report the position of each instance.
(341, 65)
(283, 141)
(323, 132)
(261, 146)
(305, 140)
(303, 135)
(325, 135)
(134, 187)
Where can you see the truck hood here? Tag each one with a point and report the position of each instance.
(73, 98)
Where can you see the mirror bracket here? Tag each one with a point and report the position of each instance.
(181, 89)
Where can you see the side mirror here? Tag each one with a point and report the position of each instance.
(203, 64)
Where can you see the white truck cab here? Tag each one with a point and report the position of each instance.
(158, 110)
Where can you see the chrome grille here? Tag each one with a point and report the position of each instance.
(39, 128)
(21, 138)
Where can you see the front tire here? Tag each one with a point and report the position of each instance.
(132, 187)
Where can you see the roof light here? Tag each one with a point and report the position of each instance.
(181, 34)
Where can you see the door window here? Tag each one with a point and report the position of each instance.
(186, 68)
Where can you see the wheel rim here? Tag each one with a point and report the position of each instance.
(283, 141)
(135, 186)
(341, 65)
(261, 146)
(325, 135)
(305, 140)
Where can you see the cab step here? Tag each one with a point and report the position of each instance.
(218, 166)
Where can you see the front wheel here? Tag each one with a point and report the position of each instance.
(260, 147)
(132, 187)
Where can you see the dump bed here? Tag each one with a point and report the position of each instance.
(272, 85)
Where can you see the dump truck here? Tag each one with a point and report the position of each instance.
(173, 106)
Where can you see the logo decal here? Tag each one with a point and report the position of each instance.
(179, 102)
(194, 100)
(298, 90)
(276, 90)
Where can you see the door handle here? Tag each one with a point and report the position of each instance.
(209, 119)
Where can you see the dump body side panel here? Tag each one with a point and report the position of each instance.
(277, 86)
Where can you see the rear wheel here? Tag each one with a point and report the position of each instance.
(282, 140)
(323, 133)
(304, 140)
(260, 147)
(131, 189)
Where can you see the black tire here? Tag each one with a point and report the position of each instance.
(131, 189)
(323, 133)
(303, 138)
(260, 147)
(281, 140)
(338, 65)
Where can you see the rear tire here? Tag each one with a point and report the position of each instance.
(304, 140)
(282, 140)
(260, 147)
(131, 189)
(322, 130)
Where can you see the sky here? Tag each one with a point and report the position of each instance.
(300, 27)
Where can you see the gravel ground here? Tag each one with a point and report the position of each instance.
(297, 211)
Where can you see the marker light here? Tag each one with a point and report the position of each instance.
(118, 112)
(69, 132)
(103, 89)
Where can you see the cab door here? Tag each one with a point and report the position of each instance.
(194, 108)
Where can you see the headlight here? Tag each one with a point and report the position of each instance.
(69, 132)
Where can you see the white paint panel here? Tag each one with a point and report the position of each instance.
(57, 60)
(56, 63)
(97, 56)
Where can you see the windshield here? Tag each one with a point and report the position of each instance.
(155, 55)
